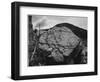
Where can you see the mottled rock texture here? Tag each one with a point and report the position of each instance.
(62, 44)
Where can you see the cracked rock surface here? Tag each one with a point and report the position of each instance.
(61, 44)
(60, 41)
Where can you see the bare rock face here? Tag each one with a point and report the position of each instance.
(60, 45)
(60, 41)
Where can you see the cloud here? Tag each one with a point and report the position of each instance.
(45, 22)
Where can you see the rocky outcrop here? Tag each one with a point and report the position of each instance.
(62, 44)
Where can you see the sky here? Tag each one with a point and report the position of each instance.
(48, 21)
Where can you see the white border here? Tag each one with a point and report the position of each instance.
(25, 70)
